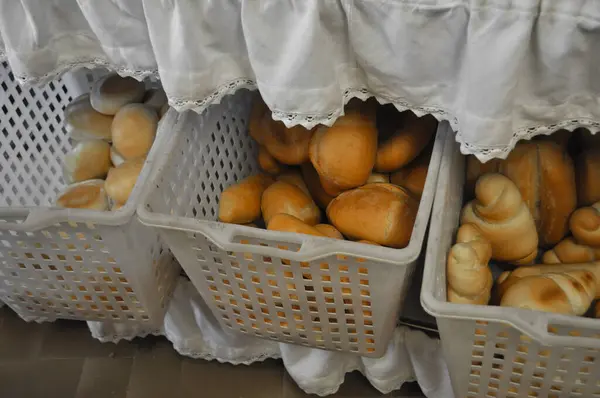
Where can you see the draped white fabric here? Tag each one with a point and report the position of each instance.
(499, 70)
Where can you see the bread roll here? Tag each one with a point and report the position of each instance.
(585, 225)
(287, 223)
(121, 180)
(115, 157)
(406, 143)
(240, 203)
(268, 163)
(84, 195)
(507, 279)
(560, 137)
(503, 218)
(368, 242)
(468, 274)
(83, 122)
(112, 92)
(329, 231)
(381, 213)
(156, 99)
(286, 198)
(313, 183)
(588, 176)
(133, 130)
(344, 154)
(565, 293)
(86, 161)
(413, 175)
(476, 169)
(568, 251)
(378, 177)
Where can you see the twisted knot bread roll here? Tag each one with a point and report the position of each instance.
(503, 219)
(585, 225)
(569, 251)
(565, 293)
(468, 274)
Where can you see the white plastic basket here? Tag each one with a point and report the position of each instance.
(325, 293)
(497, 351)
(69, 263)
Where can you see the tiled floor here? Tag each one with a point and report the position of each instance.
(62, 360)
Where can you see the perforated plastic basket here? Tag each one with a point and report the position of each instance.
(69, 263)
(497, 351)
(318, 292)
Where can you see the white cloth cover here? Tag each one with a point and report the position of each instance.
(498, 70)
(195, 333)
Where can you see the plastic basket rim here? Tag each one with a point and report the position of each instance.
(535, 324)
(38, 217)
(220, 234)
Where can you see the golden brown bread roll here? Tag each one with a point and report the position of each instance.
(311, 178)
(111, 92)
(569, 251)
(381, 213)
(294, 177)
(286, 198)
(84, 195)
(507, 279)
(268, 163)
(378, 177)
(121, 179)
(329, 231)
(133, 130)
(476, 169)
(344, 154)
(587, 171)
(545, 176)
(83, 122)
(240, 202)
(368, 242)
(468, 275)
(287, 223)
(115, 157)
(503, 218)
(563, 293)
(413, 175)
(585, 225)
(287, 145)
(406, 143)
(86, 161)
(560, 137)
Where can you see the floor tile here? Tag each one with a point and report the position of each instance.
(155, 372)
(408, 390)
(259, 380)
(19, 339)
(72, 339)
(104, 377)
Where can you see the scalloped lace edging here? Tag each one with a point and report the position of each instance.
(85, 62)
(115, 337)
(199, 106)
(242, 360)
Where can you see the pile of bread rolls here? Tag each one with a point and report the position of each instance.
(535, 206)
(367, 180)
(112, 129)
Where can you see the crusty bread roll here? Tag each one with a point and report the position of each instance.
(476, 169)
(569, 251)
(240, 202)
(368, 242)
(287, 223)
(121, 179)
(468, 274)
(283, 197)
(544, 173)
(155, 98)
(329, 231)
(313, 182)
(87, 160)
(413, 175)
(287, 145)
(564, 293)
(84, 195)
(268, 163)
(112, 92)
(503, 218)
(507, 279)
(344, 154)
(406, 143)
(585, 225)
(294, 177)
(560, 137)
(378, 177)
(115, 157)
(381, 213)
(587, 171)
(83, 122)
(133, 130)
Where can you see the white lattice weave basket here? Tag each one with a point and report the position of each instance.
(318, 292)
(69, 263)
(498, 351)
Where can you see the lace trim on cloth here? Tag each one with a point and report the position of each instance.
(85, 62)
